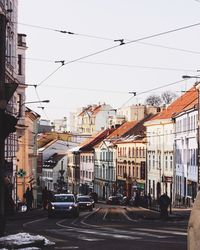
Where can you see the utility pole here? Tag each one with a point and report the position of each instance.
(3, 103)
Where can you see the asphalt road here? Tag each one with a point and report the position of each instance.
(108, 227)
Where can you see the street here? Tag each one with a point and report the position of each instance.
(110, 227)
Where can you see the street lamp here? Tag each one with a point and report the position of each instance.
(23, 103)
(189, 77)
(44, 101)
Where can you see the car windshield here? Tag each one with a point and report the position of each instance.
(63, 198)
(84, 199)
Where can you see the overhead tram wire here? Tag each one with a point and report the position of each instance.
(116, 46)
(118, 92)
(136, 66)
(150, 90)
(40, 102)
(35, 86)
(109, 39)
(52, 73)
(78, 59)
(65, 31)
(171, 48)
(111, 64)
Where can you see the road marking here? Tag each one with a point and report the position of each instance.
(33, 221)
(108, 233)
(89, 239)
(161, 231)
(127, 217)
(69, 247)
(104, 217)
(55, 239)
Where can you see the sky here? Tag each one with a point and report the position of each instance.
(97, 69)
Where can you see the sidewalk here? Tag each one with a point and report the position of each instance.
(154, 214)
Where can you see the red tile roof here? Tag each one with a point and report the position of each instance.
(125, 127)
(95, 139)
(93, 110)
(182, 103)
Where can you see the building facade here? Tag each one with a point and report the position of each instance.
(160, 153)
(186, 152)
(131, 166)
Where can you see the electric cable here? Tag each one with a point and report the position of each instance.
(111, 64)
(150, 90)
(121, 44)
(40, 103)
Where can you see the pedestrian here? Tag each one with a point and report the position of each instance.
(137, 199)
(145, 201)
(164, 202)
(29, 198)
(149, 200)
(49, 196)
(44, 198)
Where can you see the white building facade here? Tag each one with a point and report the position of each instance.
(86, 171)
(160, 148)
(105, 169)
(186, 160)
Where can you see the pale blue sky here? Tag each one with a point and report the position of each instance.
(91, 80)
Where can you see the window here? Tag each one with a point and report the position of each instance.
(137, 172)
(133, 153)
(149, 162)
(171, 163)
(153, 165)
(166, 163)
(159, 161)
(129, 152)
(19, 101)
(19, 64)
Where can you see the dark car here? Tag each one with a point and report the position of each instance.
(85, 202)
(63, 204)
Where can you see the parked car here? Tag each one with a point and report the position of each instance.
(63, 204)
(85, 202)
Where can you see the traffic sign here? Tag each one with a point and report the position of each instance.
(21, 172)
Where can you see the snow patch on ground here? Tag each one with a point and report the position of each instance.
(25, 238)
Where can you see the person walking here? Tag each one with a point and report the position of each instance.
(44, 198)
(149, 200)
(29, 198)
(164, 202)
